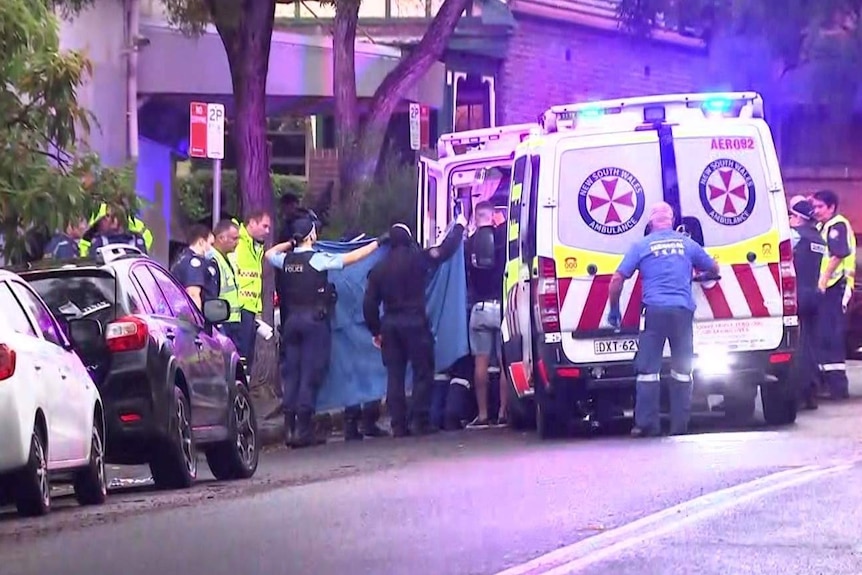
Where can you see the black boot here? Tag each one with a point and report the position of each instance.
(351, 427)
(305, 432)
(289, 428)
(370, 417)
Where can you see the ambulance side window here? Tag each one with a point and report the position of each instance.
(518, 174)
(528, 227)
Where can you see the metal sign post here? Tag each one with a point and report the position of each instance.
(206, 140)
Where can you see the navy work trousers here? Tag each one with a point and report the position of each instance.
(832, 341)
(673, 325)
(806, 370)
(407, 339)
(247, 335)
(306, 343)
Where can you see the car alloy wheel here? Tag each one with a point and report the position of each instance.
(42, 470)
(246, 440)
(184, 428)
(98, 457)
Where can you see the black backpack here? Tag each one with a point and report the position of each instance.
(482, 254)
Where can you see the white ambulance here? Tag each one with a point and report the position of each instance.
(471, 167)
(580, 192)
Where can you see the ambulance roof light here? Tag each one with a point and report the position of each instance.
(724, 104)
(499, 137)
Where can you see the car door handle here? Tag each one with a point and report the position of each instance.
(37, 367)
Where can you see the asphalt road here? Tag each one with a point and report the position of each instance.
(489, 502)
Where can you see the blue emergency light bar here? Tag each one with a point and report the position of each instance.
(653, 109)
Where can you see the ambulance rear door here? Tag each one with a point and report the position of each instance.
(726, 199)
(428, 226)
(605, 183)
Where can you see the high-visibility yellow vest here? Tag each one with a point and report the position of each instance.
(247, 260)
(135, 225)
(227, 286)
(847, 267)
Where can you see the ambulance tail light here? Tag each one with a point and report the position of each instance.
(787, 275)
(547, 300)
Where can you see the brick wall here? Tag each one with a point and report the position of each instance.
(322, 169)
(553, 62)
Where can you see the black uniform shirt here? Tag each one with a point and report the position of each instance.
(193, 270)
(836, 239)
(401, 289)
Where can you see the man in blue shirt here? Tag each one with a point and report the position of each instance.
(306, 335)
(195, 269)
(666, 259)
(64, 245)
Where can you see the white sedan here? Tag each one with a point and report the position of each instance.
(51, 419)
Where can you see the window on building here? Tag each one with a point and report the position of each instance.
(472, 104)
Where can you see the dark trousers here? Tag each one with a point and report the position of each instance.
(246, 337)
(805, 368)
(407, 339)
(832, 341)
(306, 342)
(233, 330)
(674, 325)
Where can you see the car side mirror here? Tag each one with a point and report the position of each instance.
(85, 333)
(216, 311)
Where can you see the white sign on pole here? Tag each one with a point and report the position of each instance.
(215, 131)
(415, 126)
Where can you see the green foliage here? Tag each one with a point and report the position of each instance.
(195, 192)
(46, 177)
(391, 198)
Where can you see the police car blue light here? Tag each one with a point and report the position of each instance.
(720, 105)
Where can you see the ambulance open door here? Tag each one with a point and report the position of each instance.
(427, 225)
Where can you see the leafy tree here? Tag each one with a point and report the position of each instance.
(46, 178)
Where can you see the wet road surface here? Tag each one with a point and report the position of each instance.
(487, 502)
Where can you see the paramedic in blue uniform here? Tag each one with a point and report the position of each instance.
(306, 334)
(666, 260)
(64, 245)
(837, 277)
(398, 283)
(195, 269)
(809, 247)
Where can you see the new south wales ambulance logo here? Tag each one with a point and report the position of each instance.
(727, 192)
(611, 201)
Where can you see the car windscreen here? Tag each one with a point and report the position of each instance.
(77, 294)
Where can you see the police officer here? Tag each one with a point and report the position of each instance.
(225, 240)
(837, 278)
(665, 259)
(133, 225)
(110, 229)
(404, 335)
(808, 251)
(195, 270)
(306, 331)
(64, 245)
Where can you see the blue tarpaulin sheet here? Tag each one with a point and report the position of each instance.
(356, 373)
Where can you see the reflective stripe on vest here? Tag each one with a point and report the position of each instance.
(227, 287)
(248, 263)
(847, 267)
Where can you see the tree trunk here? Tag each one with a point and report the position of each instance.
(246, 32)
(359, 147)
(346, 106)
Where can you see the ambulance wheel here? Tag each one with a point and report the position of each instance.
(739, 409)
(779, 403)
(551, 417)
(520, 412)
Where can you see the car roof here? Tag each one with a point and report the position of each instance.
(71, 266)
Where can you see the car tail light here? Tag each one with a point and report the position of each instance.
(127, 334)
(7, 361)
(787, 274)
(547, 303)
(782, 357)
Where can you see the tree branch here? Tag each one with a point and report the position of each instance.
(414, 66)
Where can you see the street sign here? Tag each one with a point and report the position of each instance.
(425, 127)
(215, 131)
(198, 130)
(415, 126)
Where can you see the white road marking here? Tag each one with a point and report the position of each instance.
(576, 557)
